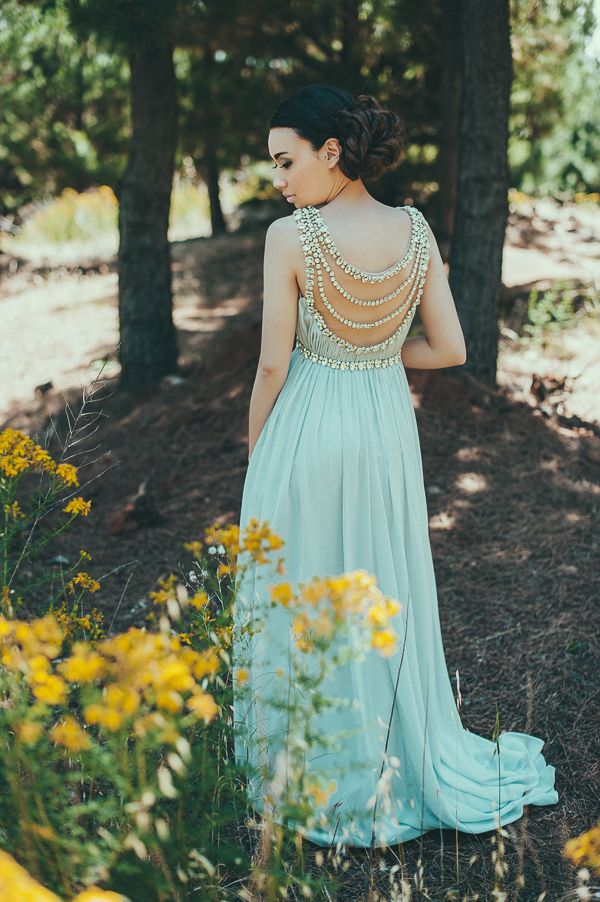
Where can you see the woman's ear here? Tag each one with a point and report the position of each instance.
(333, 149)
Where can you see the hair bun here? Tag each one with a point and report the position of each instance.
(372, 139)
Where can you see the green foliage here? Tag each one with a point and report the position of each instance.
(73, 216)
(64, 111)
(85, 217)
(556, 307)
(64, 91)
(120, 23)
(554, 128)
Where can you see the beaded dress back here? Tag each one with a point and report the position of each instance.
(319, 342)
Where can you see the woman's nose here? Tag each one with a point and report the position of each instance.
(278, 182)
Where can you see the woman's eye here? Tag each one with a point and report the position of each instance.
(286, 164)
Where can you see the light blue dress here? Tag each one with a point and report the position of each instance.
(337, 472)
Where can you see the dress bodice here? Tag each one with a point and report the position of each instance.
(320, 343)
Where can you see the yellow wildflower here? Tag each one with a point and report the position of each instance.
(6, 626)
(68, 474)
(203, 705)
(227, 536)
(83, 666)
(282, 593)
(174, 674)
(47, 630)
(195, 547)
(224, 634)
(384, 641)
(51, 690)
(242, 675)
(121, 698)
(301, 623)
(70, 734)
(95, 894)
(39, 662)
(103, 716)
(199, 600)
(78, 506)
(13, 466)
(280, 566)
(323, 624)
(22, 631)
(12, 659)
(166, 591)
(207, 662)
(29, 731)
(339, 584)
(377, 615)
(13, 510)
(85, 581)
(314, 591)
(70, 621)
(256, 535)
(321, 795)
(169, 700)
(584, 850)
(17, 883)
(41, 456)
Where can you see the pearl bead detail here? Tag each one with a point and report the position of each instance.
(361, 349)
(320, 240)
(377, 362)
(315, 238)
(309, 218)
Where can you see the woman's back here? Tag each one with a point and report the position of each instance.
(348, 312)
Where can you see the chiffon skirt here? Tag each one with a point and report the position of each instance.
(337, 472)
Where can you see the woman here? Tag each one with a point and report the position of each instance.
(335, 468)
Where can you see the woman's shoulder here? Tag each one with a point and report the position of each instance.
(282, 229)
(282, 238)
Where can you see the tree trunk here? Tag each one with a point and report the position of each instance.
(482, 204)
(148, 348)
(211, 177)
(447, 162)
(207, 73)
(350, 57)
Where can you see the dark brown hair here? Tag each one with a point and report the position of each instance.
(371, 136)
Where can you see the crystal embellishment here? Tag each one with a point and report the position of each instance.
(375, 362)
(317, 244)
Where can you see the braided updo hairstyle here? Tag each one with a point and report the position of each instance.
(371, 136)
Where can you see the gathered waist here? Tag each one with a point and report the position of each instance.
(371, 363)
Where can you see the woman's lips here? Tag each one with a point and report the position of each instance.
(290, 196)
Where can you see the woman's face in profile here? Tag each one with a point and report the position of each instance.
(302, 174)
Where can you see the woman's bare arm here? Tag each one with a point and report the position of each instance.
(280, 311)
(443, 343)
